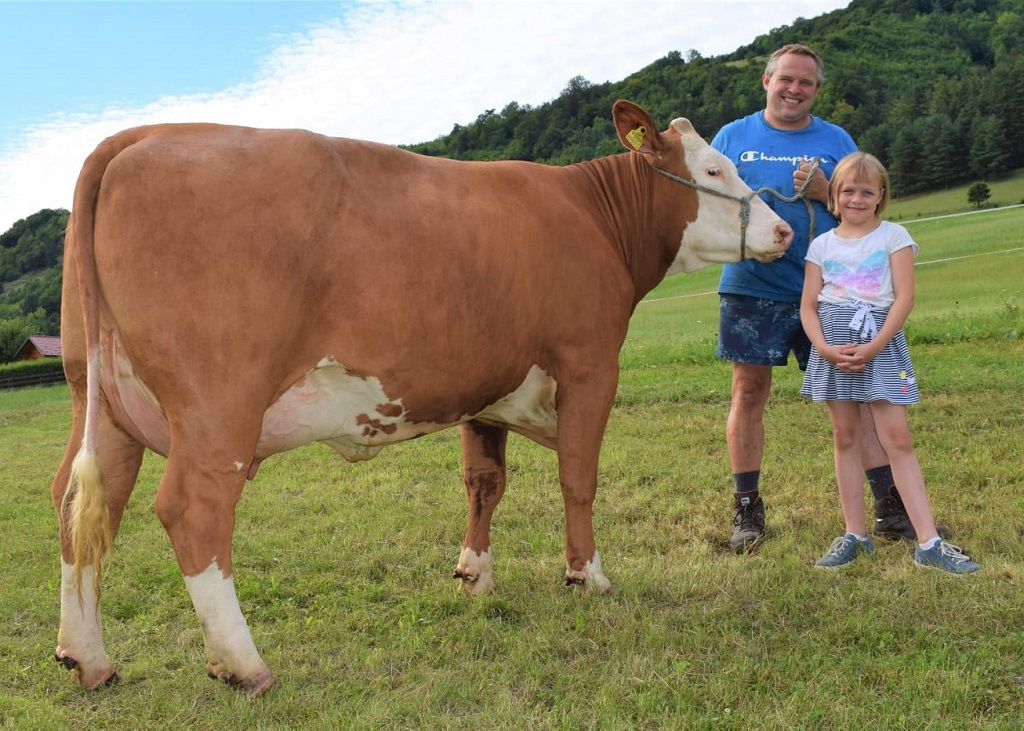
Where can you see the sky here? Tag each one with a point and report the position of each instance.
(394, 71)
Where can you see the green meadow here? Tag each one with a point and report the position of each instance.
(343, 570)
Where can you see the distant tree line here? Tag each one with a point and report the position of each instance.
(31, 252)
(935, 88)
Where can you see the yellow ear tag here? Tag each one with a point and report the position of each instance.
(636, 137)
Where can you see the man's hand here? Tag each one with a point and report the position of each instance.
(818, 188)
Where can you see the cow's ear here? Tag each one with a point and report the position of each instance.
(635, 127)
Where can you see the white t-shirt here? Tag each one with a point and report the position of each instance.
(858, 270)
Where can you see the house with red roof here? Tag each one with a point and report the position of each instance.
(39, 346)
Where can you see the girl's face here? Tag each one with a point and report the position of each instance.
(858, 199)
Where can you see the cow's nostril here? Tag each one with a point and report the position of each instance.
(783, 233)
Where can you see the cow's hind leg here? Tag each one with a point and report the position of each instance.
(483, 472)
(196, 503)
(80, 637)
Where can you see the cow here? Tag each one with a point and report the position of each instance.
(231, 293)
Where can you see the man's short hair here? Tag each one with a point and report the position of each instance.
(800, 50)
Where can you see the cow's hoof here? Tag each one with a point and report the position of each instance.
(590, 584)
(254, 686)
(112, 680)
(590, 577)
(599, 584)
(588, 581)
(467, 580)
(105, 679)
(472, 583)
(474, 572)
(258, 685)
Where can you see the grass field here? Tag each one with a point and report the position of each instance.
(343, 570)
(1007, 191)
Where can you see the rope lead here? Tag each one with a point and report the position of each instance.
(744, 200)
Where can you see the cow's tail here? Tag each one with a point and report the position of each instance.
(85, 502)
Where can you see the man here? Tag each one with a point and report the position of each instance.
(760, 303)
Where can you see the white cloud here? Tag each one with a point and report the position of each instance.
(405, 72)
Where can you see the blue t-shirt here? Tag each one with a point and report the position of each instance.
(766, 158)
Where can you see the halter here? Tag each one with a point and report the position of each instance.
(744, 200)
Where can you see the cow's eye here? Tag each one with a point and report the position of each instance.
(714, 172)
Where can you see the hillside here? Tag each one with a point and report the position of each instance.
(30, 259)
(935, 88)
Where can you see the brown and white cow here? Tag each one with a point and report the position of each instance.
(231, 293)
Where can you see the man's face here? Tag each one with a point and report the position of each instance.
(791, 91)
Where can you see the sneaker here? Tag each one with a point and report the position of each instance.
(945, 556)
(844, 550)
(747, 525)
(892, 521)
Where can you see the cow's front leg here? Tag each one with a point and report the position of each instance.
(197, 508)
(231, 654)
(483, 473)
(582, 417)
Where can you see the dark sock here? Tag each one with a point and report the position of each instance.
(746, 486)
(881, 481)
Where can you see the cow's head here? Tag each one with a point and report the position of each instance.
(731, 222)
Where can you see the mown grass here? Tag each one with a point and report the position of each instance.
(343, 570)
(1007, 191)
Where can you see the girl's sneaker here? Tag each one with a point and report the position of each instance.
(945, 556)
(844, 550)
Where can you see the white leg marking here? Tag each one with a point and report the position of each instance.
(80, 636)
(476, 569)
(593, 577)
(230, 651)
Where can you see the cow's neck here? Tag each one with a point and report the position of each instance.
(621, 188)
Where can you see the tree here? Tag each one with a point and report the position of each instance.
(944, 153)
(14, 330)
(1007, 101)
(905, 155)
(890, 65)
(33, 243)
(1006, 35)
(978, 194)
(990, 148)
(877, 140)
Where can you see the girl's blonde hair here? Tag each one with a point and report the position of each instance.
(858, 166)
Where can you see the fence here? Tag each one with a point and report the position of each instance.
(31, 379)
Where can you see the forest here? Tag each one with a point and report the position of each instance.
(30, 278)
(935, 88)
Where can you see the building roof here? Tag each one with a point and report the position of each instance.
(47, 345)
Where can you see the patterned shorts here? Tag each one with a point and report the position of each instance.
(760, 331)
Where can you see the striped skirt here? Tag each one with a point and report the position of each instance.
(888, 377)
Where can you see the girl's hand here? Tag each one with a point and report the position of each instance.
(847, 358)
(855, 356)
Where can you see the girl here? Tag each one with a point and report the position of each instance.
(858, 292)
